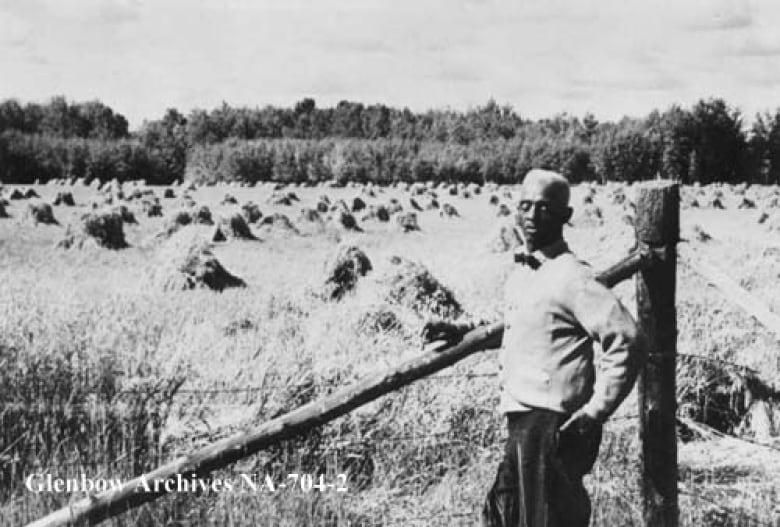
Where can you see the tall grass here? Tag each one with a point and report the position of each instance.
(102, 376)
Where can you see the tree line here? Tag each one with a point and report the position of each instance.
(707, 142)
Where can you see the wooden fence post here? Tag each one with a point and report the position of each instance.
(658, 228)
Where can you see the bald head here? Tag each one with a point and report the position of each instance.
(547, 185)
(544, 208)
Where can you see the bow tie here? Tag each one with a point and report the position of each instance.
(527, 259)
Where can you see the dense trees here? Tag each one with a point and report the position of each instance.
(764, 148)
(353, 141)
(58, 118)
(166, 142)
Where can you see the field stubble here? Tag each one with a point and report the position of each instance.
(104, 375)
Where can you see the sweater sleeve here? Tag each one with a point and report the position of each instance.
(624, 352)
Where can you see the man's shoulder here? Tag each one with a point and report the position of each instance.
(570, 266)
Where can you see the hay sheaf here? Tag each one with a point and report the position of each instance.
(347, 221)
(280, 199)
(394, 207)
(186, 263)
(64, 198)
(358, 204)
(588, 216)
(98, 228)
(770, 220)
(251, 212)
(618, 196)
(418, 189)
(201, 214)
(344, 270)
(700, 234)
(377, 212)
(381, 319)
(724, 396)
(125, 213)
(412, 285)
(339, 206)
(506, 237)
(152, 208)
(179, 218)
(309, 215)
(280, 223)
(746, 203)
(233, 227)
(449, 211)
(383, 213)
(40, 213)
(186, 202)
(408, 222)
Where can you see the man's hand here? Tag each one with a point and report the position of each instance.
(449, 332)
(580, 422)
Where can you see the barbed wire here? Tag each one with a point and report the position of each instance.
(716, 360)
(278, 385)
(442, 438)
(326, 444)
(253, 388)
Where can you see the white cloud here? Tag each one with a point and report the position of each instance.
(611, 57)
(15, 31)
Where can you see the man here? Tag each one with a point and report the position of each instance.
(554, 401)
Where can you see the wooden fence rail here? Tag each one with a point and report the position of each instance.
(732, 290)
(132, 493)
(654, 206)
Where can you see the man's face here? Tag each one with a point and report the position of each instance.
(541, 215)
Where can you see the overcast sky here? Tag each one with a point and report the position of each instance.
(609, 57)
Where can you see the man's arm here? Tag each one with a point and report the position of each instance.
(452, 331)
(608, 322)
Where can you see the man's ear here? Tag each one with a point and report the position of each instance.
(567, 215)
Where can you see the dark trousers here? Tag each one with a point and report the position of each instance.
(539, 480)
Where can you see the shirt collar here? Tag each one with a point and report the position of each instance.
(551, 251)
(548, 252)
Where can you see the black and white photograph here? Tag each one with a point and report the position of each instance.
(374, 263)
